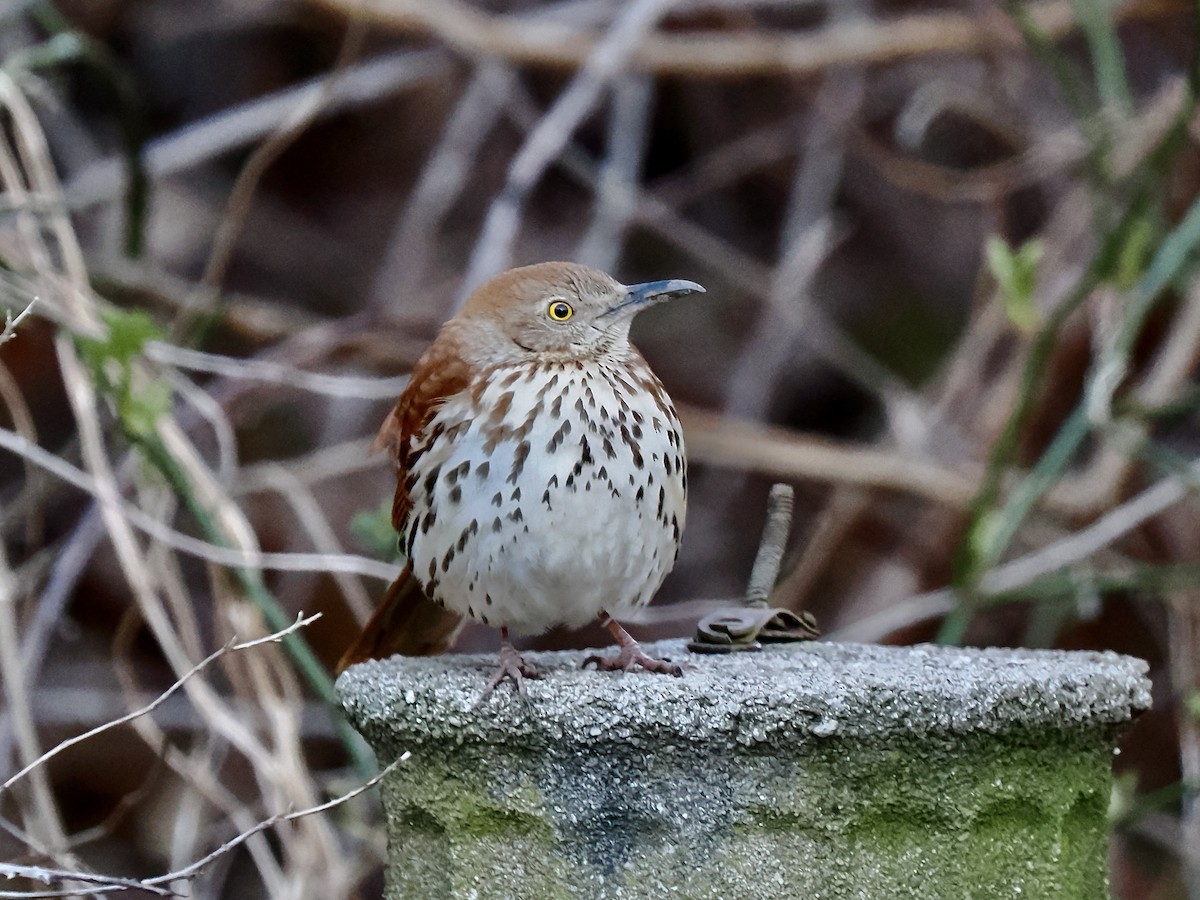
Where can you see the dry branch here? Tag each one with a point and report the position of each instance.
(232, 646)
(164, 534)
(519, 41)
(10, 323)
(156, 884)
(782, 453)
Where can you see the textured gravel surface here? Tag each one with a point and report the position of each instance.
(807, 691)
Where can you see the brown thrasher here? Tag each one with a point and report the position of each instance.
(541, 477)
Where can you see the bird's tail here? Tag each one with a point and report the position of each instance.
(406, 622)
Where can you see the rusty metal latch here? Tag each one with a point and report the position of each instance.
(748, 627)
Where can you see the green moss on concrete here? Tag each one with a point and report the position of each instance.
(981, 817)
(609, 799)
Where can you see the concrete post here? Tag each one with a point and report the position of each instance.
(804, 771)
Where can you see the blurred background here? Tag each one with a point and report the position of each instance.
(953, 297)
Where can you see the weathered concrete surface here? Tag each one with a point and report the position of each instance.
(815, 771)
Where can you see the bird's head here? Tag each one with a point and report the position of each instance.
(558, 310)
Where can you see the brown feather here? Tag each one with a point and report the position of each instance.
(440, 373)
(406, 622)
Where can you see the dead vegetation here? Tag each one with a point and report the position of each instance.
(951, 257)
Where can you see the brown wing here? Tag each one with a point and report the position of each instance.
(406, 620)
(438, 374)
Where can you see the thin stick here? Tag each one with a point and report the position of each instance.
(1024, 570)
(343, 386)
(190, 871)
(628, 129)
(445, 175)
(224, 556)
(315, 523)
(11, 324)
(493, 250)
(42, 816)
(788, 454)
(229, 647)
(155, 885)
(239, 126)
(733, 54)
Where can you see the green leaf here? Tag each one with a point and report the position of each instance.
(110, 360)
(373, 528)
(1016, 276)
(1192, 704)
(1134, 254)
(128, 332)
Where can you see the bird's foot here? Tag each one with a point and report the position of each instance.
(513, 667)
(631, 655)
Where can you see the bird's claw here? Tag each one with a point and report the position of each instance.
(630, 656)
(513, 667)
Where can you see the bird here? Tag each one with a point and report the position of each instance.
(541, 476)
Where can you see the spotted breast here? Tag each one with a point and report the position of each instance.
(548, 492)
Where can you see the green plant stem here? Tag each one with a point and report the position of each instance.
(992, 527)
(1066, 584)
(1101, 33)
(1075, 92)
(1173, 254)
(256, 591)
(69, 44)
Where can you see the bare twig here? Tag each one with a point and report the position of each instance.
(445, 175)
(788, 454)
(241, 195)
(67, 569)
(231, 646)
(155, 885)
(210, 410)
(344, 386)
(242, 125)
(336, 461)
(23, 422)
(1109, 528)
(89, 881)
(43, 820)
(616, 188)
(493, 250)
(826, 339)
(190, 871)
(1024, 570)
(224, 556)
(732, 54)
(312, 519)
(10, 323)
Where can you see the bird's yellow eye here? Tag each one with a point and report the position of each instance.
(560, 311)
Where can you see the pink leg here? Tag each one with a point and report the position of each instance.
(630, 654)
(511, 666)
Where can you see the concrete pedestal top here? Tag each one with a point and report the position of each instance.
(813, 770)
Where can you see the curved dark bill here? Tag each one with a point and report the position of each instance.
(641, 295)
